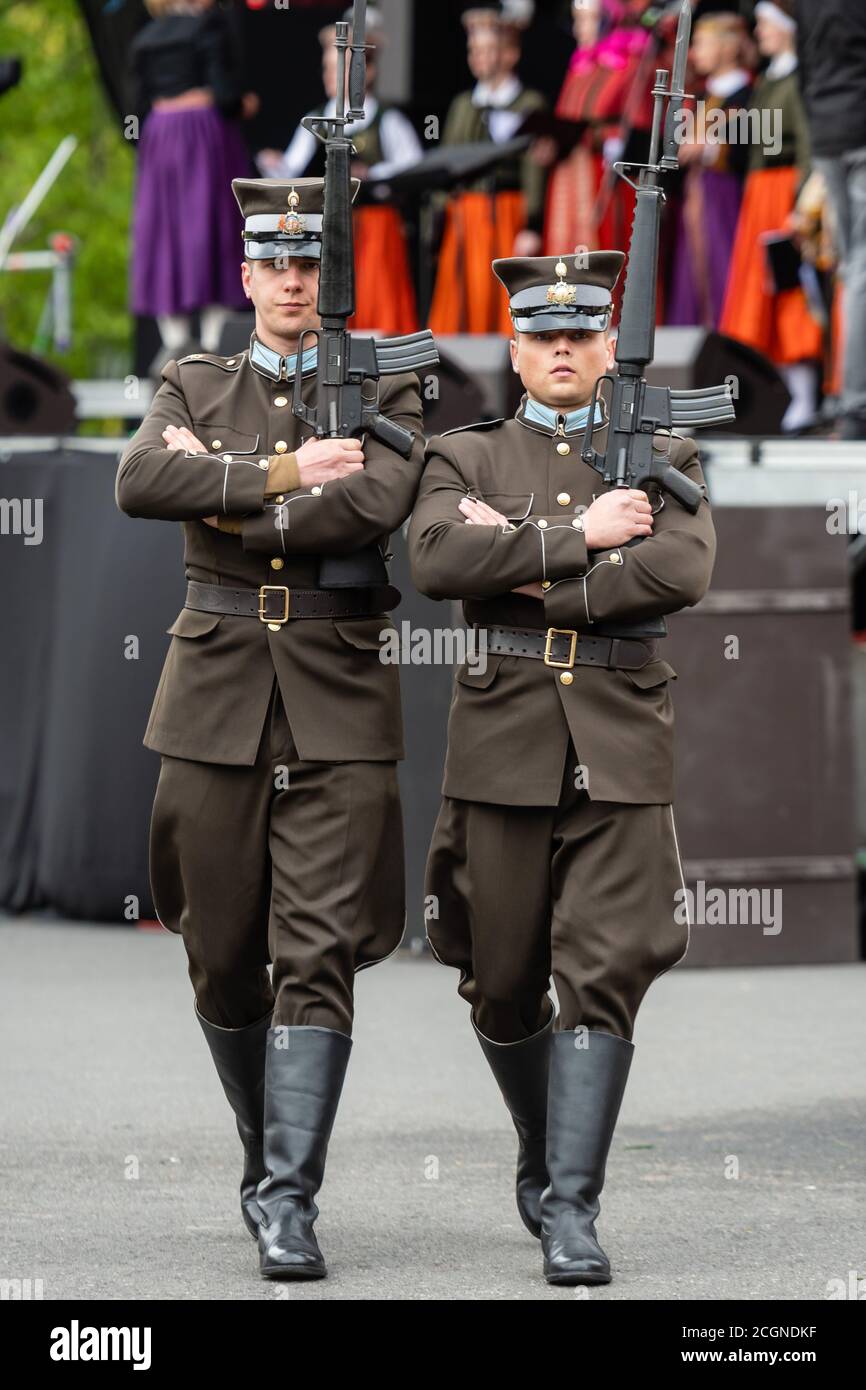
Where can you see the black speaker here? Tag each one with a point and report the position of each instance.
(235, 333)
(760, 394)
(692, 358)
(34, 397)
(457, 400)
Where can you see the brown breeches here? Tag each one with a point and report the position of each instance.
(585, 891)
(290, 862)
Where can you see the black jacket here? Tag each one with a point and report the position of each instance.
(831, 46)
(171, 55)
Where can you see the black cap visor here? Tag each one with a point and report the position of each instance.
(272, 250)
(558, 318)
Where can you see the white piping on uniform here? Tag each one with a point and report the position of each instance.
(685, 897)
(606, 561)
(526, 513)
(378, 961)
(281, 507)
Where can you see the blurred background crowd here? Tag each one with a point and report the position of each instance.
(492, 129)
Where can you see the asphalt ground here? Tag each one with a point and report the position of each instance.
(738, 1168)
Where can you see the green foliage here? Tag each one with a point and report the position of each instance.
(61, 94)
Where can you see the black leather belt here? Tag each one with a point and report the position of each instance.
(565, 647)
(275, 603)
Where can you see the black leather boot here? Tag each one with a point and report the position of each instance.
(239, 1057)
(521, 1071)
(304, 1077)
(586, 1090)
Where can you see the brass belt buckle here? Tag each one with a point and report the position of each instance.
(264, 590)
(553, 632)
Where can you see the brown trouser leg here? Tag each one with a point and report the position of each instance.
(293, 862)
(488, 911)
(584, 891)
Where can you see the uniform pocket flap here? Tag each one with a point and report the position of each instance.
(652, 674)
(192, 622)
(515, 505)
(364, 632)
(223, 439)
(471, 674)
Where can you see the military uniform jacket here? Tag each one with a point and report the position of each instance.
(341, 701)
(509, 727)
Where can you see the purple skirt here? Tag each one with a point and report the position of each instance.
(186, 235)
(706, 227)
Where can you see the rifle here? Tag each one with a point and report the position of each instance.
(346, 360)
(638, 411)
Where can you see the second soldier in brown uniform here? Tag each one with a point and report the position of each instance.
(555, 850)
(276, 832)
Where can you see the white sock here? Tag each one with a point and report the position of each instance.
(174, 329)
(801, 379)
(212, 320)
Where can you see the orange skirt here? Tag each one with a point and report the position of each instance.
(836, 352)
(571, 193)
(479, 228)
(778, 325)
(384, 293)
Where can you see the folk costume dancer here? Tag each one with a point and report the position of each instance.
(597, 89)
(386, 143)
(776, 324)
(188, 96)
(713, 184)
(502, 213)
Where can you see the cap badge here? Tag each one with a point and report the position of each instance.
(561, 293)
(291, 222)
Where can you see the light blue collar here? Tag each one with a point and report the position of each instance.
(271, 364)
(574, 419)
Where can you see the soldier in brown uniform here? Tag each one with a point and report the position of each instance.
(276, 831)
(555, 849)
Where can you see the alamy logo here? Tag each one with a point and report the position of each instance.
(22, 516)
(720, 907)
(718, 126)
(77, 1343)
(20, 1289)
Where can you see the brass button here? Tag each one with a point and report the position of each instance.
(615, 558)
(281, 498)
(563, 448)
(273, 627)
(566, 677)
(545, 583)
(281, 400)
(263, 463)
(277, 564)
(216, 444)
(316, 491)
(230, 364)
(281, 446)
(228, 458)
(564, 498)
(578, 523)
(542, 523)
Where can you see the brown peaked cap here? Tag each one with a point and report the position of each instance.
(598, 268)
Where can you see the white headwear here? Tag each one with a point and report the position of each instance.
(765, 9)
